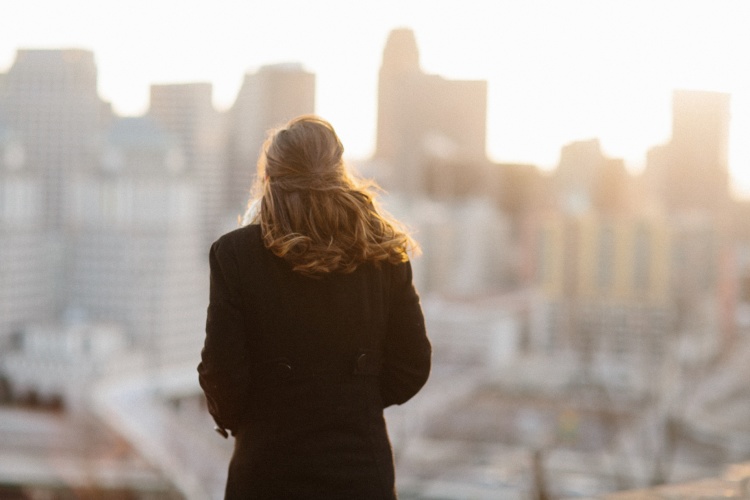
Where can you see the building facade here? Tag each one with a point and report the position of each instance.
(49, 97)
(139, 258)
(186, 111)
(29, 253)
(690, 172)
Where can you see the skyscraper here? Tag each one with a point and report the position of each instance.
(267, 99)
(139, 260)
(186, 111)
(586, 179)
(425, 118)
(100, 217)
(691, 171)
(700, 129)
(400, 67)
(27, 250)
(49, 97)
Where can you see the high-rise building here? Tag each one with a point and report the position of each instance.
(586, 179)
(691, 171)
(186, 111)
(49, 97)
(399, 68)
(139, 260)
(700, 129)
(424, 119)
(28, 254)
(268, 98)
(576, 172)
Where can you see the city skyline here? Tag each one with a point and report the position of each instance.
(557, 72)
(568, 314)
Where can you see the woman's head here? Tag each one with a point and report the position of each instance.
(305, 154)
(313, 212)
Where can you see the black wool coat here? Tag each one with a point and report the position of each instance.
(299, 369)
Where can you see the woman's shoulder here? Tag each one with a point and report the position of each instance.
(244, 238)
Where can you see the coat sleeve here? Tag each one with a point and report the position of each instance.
(407, 351)
(222, 372)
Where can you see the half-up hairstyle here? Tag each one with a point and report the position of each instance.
(313, 213)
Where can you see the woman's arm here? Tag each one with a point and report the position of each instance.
(407, 350)
(223, 370)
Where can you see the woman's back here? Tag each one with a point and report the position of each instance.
(304, 369)
(306, 343)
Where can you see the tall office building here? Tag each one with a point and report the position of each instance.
(27, 250)
(691, 171)
(586, 179)
(425, 119)
(49, 97)
(400, 67)
(139, 260)
(187, 112)
(576, 173)
(267, 99)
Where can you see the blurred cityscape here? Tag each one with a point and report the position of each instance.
(590, 324)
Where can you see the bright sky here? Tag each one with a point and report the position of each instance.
(558, 70)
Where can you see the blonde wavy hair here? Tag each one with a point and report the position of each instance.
(314, 213)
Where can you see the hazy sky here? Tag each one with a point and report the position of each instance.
(558, 70)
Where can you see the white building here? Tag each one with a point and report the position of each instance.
(28, 255)
(49, 100)
(186, 111)
(139, 260)
(49, 97)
